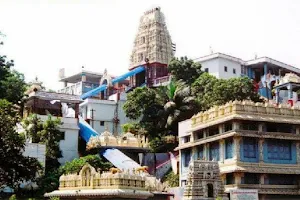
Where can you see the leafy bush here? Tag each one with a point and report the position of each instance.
(75, 165)
(172, 179)
(13, 197)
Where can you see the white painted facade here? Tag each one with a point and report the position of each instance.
(69, 145)
(104, 112)
(34, 150)
(222, 67)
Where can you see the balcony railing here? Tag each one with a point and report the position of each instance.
(162, 80)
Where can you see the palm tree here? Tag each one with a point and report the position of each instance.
(180, 105)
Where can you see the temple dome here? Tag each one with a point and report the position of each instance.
(129, 139)
(107, 139)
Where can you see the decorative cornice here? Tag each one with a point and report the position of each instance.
(248, 110)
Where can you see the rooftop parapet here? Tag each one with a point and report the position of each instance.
(126, 140)
(245, 107)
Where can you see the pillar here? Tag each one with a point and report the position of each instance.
(238, 177)
(262, 179)
(265, 71)
(261, 149)
(194, 153)
(298, 152)
(236, 141)
(235, 126)
(277, 95)
(83, 77)
(206, 151)
(222, 150)
(221, 128)
(290, 89)
(261, 127)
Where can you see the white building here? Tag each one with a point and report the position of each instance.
(102, 114)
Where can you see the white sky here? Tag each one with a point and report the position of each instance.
(44, 36)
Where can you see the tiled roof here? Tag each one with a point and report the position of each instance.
(56, 96)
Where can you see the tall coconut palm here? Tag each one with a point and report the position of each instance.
(180, 105)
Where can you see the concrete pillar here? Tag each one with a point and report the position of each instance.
(222, 150)
(221, 128)
(238, 177)
(265, 71)
(290, 89)
(235, 125)
(297, 130)
(298, 152)
(206, 151)
(262, 179)
(237, 141)
(194, 153)
(277, 95)
(261, 149)
(261, 127)
(83, 77)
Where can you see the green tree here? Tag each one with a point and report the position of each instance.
(47, 133)
(33, 127)
(172, 179)
(184, 69)
(210, 91)
(14, 167)
(12, 83)
(75, 165)
(51, 136)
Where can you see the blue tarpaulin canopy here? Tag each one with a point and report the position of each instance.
(101, 88)
(86, 131)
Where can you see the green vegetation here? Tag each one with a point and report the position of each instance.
(14, 166)
(75, 165)
(47, 133)
(172, 179)
(160, 109)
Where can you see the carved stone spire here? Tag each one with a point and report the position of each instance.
(152, 41)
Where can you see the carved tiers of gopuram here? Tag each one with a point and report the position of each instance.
(204, 182)
(152, 41)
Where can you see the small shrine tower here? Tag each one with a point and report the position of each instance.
(153, 48)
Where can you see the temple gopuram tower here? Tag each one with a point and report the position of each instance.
(153, 48)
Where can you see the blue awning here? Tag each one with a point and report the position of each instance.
(101, 88)
(94, 92)
(128, 74)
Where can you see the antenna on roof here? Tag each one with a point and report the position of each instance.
(211, 50)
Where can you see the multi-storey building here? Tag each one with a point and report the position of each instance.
(257, 146)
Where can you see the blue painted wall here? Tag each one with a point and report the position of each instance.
(280, 152)
(249, 150)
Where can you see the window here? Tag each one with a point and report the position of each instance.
(228, 126)
(101, 123)
(251, 126)
(206, 70)
(186, 157)
(213, 130)
(279, 150)
(229, 148)
(63, 134)
(250, 148)
(200, 152)
(229, 179)
(214, 151)
(225, 68)
(250, 178)
(186, 139)
(234, 71)
(281, 179)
